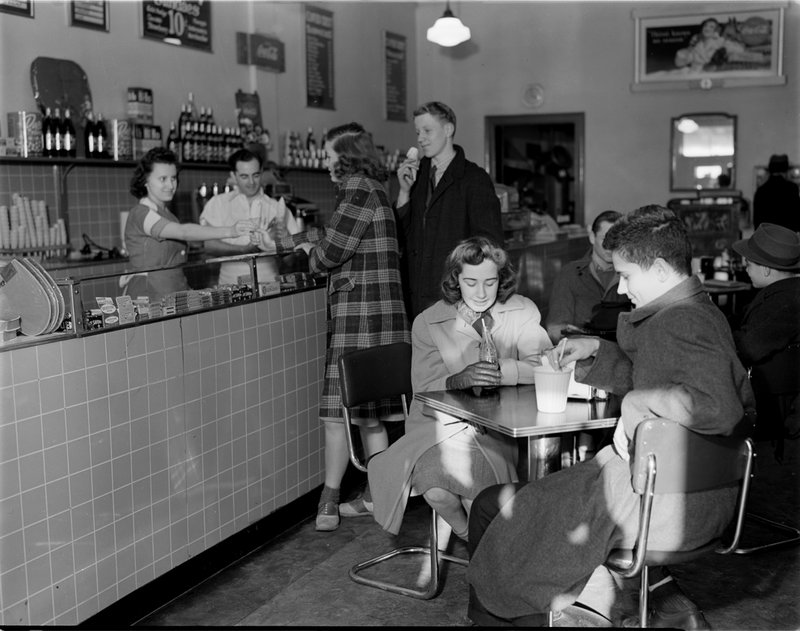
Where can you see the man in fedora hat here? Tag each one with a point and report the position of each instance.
(778, 199)
(770, 324)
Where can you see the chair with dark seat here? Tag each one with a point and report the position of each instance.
(669, 458)
(776, 385)
(371, 374)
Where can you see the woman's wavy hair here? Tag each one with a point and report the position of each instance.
(157, 155)
(356, 151)
(474, 251)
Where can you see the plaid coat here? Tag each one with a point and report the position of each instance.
(359, 250)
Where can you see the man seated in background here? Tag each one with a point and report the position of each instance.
(584, 298)
(769, 325)
(541, 546)
(246, 201)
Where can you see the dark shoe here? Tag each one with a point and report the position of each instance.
(327, 516)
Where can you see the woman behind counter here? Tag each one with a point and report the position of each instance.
(359, 250)
(154, 237)
(450, 464)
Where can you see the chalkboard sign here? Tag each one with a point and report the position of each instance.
(17, 7)
(319, 58)
(395, 60)
(186, 23)
(92, 14)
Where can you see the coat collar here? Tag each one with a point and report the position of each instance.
(689, 290)
(441, 311)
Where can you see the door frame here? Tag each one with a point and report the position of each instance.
(578, 119)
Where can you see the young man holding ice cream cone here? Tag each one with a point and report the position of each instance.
(444, 198)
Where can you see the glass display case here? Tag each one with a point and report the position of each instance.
(97, 301)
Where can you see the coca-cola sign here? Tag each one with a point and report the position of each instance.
(262, 51)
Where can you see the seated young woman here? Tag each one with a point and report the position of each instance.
(450, 464)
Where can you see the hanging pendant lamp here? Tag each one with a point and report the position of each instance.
(448, 30)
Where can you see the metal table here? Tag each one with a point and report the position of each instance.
(512, 410)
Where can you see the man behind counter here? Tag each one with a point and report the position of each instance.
(246, 201)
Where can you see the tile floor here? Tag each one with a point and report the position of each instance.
(301, 578)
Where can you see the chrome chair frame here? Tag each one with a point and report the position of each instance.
(669, 458)
(372, 374)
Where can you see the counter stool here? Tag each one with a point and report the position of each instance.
(371, 374)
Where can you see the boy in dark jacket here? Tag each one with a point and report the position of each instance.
(674, 359)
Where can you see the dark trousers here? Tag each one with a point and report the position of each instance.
(484, 509)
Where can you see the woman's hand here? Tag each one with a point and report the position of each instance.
(407, 174)
(571, 349)
(241, 228)
(277, 230)
(477, 374)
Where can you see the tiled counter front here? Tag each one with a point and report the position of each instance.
(124, 454)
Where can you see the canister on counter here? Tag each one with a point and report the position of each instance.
(25, 127)
(140, 105)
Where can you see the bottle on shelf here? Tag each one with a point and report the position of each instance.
(48, 133)
(173, 143)
(191, 109)
(101, 149)
(187, 142)
(311, 143)
(68, 135)
(183, 118)
(201, 143)
(89, 136)
(58, 138)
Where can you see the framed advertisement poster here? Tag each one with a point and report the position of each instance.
(706, 46)
(186, 23)
(394, 52)
(92, 14)
(17, 7)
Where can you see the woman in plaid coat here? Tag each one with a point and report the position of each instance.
(359, 251)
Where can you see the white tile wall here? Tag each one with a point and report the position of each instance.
(124, 454)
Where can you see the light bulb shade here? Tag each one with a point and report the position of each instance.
(448, 31)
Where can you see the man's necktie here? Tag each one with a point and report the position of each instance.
(431, 184)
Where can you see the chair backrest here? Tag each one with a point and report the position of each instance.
(686, 461)
(371, 374)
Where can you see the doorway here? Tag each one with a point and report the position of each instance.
(542, 157)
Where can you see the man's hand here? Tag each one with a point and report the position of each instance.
(407, 174)
(477, 374)
(241, 228)
(571, 349)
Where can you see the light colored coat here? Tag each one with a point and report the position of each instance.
(443, 345)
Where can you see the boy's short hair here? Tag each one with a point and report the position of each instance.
(439, 110)
(649, 233)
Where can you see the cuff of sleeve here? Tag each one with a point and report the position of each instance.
(509, 372)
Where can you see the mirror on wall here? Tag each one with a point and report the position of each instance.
(703, 152)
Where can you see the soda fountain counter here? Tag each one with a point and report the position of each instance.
(127, 450)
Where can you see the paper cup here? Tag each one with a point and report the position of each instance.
(551, 388)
